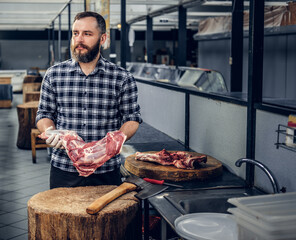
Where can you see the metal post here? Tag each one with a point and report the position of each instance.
(53, 43)
(48, 38)
(255, 78)
(182, 37)
(113, 45)
(163, 229)
(69, 29)
(237, 34)
(149, 39)
(60, 39)
(187, 120)
(128, 48)
(146, 219)
(175, 57)
(123, 37)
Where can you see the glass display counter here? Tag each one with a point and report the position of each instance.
(205, 80)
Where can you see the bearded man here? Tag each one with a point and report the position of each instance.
(91, 96)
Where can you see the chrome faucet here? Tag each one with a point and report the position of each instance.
(269, 174)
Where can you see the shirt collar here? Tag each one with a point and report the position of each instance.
(101, 65)
(74, 66)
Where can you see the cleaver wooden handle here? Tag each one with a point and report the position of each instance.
(101, 202)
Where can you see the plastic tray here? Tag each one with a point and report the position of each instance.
(206, 226)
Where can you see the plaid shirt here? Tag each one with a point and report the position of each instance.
(89, 105)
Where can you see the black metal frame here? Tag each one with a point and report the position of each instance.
(255, 79)
(149, 39)
(69, 29)
(52, 29)
(53, 40)
(123, 35)
(182, 36)
(113, 45)
(237, 37)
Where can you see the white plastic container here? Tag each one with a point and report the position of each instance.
(272, 208)
(251, 228)
(267, 217)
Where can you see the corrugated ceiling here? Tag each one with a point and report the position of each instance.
(38, 14)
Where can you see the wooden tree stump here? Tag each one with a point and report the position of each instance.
(26, 115)
(32, 79)
(31, 96)
(5, 85)
(29, 87)
(60, 213)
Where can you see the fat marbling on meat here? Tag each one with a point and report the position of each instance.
(87, 157)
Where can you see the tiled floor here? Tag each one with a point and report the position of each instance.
(20, 179)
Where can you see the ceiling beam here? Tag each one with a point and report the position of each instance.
(166, 10)
(47, 2)
(246, 3)
(150, 2)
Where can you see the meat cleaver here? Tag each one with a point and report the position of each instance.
(131, 183)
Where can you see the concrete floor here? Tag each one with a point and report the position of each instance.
(20, 179)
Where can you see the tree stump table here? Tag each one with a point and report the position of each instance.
(26, 116)
(60, 213)
(29, 87)
(31, 96)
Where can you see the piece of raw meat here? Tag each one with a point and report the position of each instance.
(163, 157)
(87, 157)
(178, 159)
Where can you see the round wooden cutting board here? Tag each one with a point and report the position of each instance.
(211, 169)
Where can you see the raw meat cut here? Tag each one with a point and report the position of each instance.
(179, 159)
(87, 157)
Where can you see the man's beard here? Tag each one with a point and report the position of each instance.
(89, 56)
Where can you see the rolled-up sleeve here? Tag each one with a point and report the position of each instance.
(47, 104)
(129, 107)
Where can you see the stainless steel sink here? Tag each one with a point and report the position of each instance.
(212, 200)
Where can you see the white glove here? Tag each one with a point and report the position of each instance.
(54, 139)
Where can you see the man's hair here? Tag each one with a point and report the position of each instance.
(100, 20)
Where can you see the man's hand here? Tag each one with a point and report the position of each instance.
(54, 139)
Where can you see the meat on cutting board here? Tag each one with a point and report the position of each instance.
(87, 157)
(179, 159)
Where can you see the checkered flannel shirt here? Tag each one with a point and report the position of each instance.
(89, 105)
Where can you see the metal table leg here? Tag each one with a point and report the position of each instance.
(146, 220)
(163, 229)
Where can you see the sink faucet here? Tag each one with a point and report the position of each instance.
(269, 174)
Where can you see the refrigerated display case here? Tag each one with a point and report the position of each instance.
(201, 79)
(205, 80)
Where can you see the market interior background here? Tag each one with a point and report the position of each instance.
(242, 114)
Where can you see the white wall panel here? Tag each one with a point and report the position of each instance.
(219, 130)
(280, 161)
(163, 109)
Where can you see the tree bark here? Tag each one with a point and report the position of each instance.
(61, 214)
(26, 115)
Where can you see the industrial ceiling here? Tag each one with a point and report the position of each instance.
(39, 14)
